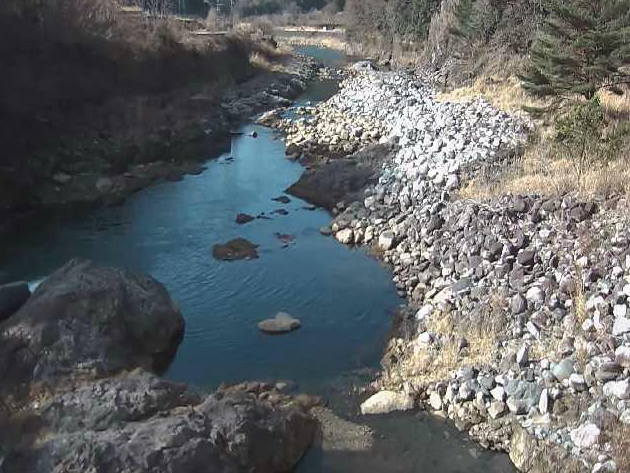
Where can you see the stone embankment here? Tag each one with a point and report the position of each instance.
(79, 393)
(517, 323)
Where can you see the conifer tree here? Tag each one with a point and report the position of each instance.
(585, 48)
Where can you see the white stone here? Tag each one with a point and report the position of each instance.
(622, 356)
(345, 236)
(618, 389)
(496, 409)
(435, 401)
(621, 326)
(386, 240)
(620, 310)
(498, 393)
(424, 312)
(385, 402)
(585, 436)
(535, 295)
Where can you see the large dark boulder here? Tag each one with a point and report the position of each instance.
(12, 297)
(139, 423)
(86, 320)
(343, 179)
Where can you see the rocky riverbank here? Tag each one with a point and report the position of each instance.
(79, 393)
(198, 126)
(516, 325)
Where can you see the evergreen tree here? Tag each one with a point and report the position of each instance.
(585, 48)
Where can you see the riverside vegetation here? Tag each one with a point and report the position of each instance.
(99, 102)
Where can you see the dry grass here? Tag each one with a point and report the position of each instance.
(505, 94)
(617, 435)
(617, 107)
(544, 169)
(540, 171)
(437, 362)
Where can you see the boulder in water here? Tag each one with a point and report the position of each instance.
(244, 218)
(236, 249)
(86, 320)
(281, 323)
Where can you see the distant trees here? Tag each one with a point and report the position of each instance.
(585, 48)
(406, 19)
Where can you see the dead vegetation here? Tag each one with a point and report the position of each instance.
(545, 168)
(455, 344)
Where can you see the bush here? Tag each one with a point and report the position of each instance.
(583, 138)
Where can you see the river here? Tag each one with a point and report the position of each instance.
(344, 298)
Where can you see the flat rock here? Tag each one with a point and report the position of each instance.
(236, 249)
(281, 323)
(385, 402)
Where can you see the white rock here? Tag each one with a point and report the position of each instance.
(585, 436)
(621, 326)
(435, 401)
(498, 393)
(424, 312)
(620, 310)
(385, 402)
(345, 236)
(386, 240)
(618, 389)
(496, 409)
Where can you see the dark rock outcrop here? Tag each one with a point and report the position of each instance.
(89, 320)
(143, 424)
(12, 297)
(341, 180)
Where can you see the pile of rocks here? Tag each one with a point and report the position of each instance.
(535, 289)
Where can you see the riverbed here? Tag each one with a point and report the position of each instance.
(344, 297)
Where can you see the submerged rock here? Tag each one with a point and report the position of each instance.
(85, 319)
(244, 218)
(281, 323)
(12, 297)
(385, 402)
(283, 199)
(236, 249)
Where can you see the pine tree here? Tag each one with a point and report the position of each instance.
(585, 48)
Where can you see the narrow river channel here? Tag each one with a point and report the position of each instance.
(344, 298)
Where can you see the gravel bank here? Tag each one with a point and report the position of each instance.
(516, 325)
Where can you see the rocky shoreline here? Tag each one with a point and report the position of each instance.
(176, 154)
(516, 323)
(79, 391)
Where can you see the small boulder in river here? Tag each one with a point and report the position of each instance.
(12, 297)
(281, 323)
(283, 199)
(236, 249)
(385, 402)
(244, 218)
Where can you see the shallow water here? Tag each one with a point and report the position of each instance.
(343, 297)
